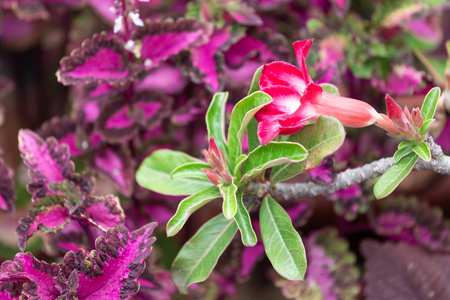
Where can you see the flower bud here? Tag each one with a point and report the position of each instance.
(416, 117)
(212, 176)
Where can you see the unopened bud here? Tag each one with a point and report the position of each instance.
(226, 177)
(416, 117)
(212, 176)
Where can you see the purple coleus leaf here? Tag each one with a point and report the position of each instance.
(7, 192)
(414, 222)
(120, 120)
(100, 59)
(332, 273)
(49, 215)
(117, 164)
(30, 278)
(404, 272)
(103, 212)
(349, 202)
(163, 39)
(157, 80)
(112, 270)
(207, 59)
(324, 173)
(242, 13)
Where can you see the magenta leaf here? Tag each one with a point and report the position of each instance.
(163, 39)
(100, 59)
(243, 13)
(117, 164)
(120, 121)
(207, 60)
(414, 222)
(404, 272)
(112, 270)
(7, 192)
(103, 212)
(49, 215)
(28, 277)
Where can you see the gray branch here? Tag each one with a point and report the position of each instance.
(439, 163)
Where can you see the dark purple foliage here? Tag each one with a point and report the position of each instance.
(7, 192)
(404, 272)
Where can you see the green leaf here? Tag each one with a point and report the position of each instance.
(402, 152)
(242, 113)
(188, 206)
(270, 155)
(425, 127)
(215, 120)
(154, 174)
(244, 223)
(193, 170)
(320, 139)
(229, 206)
(282, 243)
(237, 169)
(255, 81)
(330, 89)
(404, 144)
(429, 104)
(423, 151)
(198, 257)
(252, 135)
(387, 183)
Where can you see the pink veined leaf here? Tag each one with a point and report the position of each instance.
(100, 59)
(30, 277)
(48, 215)
(117, 164)
(104, 9)
(163, 39)
(120, 121)
(112, 270)
(157, 80)
(206, 60)
(404, 272)
(103, 212)
(250, 257)
(7, 192)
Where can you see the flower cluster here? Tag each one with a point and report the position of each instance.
(214, 156)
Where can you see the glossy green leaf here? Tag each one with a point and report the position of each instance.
(282, 243)
(154, 174)
(229, 206)
(404, 144)
(429, 104)
(423, 151)
(400, 153)
(242, 113)
(252, 135)
(198, 257)
(387, 183)
(193, 170)
(238, 168)
(425, 127)
(329, 88)
(271, 155)
(255, 81)
(320, 139)
(215, 120)
(244, 223)
(188, 206)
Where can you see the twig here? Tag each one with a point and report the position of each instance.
(439, 163)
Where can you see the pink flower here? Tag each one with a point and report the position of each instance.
(297, 100)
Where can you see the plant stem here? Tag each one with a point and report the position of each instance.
(439, 163)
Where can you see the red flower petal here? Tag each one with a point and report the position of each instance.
(284, 74)
(267, 131)
(285, 101)
(301, 49)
